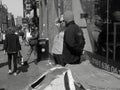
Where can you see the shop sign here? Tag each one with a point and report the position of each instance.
(100, 62)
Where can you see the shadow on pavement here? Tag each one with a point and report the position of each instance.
(1, 49)
(23, 68)
(3, 64)
(2, 89)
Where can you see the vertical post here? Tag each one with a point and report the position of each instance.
(56, 7)
(43, 45)
(7, 17)
(40, 18)
(23, 8)
(62, 6)
(114, 38)
(107, 39)
(2, 18)
(48, 17)
(1, 15)
(44, 32)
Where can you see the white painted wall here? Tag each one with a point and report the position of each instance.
(77, 10)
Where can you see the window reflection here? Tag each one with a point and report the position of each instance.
(107, 17)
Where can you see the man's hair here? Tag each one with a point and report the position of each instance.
(11, 30)
(68, 16)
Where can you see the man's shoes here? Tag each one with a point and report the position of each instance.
(10, 72)
(35, 61)
(25, 63)
(15, 74)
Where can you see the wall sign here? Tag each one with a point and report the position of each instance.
(100, 62)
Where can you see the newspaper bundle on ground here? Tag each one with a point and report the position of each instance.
(57, 78)
(83, 76)
(93, 78)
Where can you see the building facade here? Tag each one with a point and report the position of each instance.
(3, 17)
(18, 20)
(11, 21)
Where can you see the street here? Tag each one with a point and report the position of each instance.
(25, 76)
(84, 74)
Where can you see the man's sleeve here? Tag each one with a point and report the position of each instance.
(73, 40)
(18, 43)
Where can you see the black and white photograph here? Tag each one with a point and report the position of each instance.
(59, 44)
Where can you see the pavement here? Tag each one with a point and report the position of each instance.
(26, 74)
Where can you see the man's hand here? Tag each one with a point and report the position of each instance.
(4, 52)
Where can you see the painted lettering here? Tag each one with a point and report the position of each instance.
(118, 71)
(114, 70)
(105, 66)
(108, 67)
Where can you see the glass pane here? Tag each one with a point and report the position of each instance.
(107, 20)
(104, 25)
